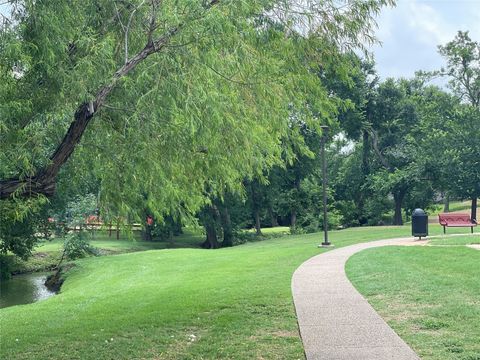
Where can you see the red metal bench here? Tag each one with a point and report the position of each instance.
(456, 220)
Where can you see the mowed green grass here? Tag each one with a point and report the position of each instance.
(456, 240)
(102, 240)
(47, 254)
(232, 303)
(429, 295)
(235, 301)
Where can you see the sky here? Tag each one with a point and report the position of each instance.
(411, 32)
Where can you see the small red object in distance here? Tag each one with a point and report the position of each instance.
(149, 220)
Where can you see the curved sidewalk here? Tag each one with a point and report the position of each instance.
(335, 321)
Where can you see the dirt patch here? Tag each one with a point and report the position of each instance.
(41, 255)
(55, 281)
(285, 334)
(276, 334)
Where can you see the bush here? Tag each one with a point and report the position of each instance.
(7, 263)
(76, 246)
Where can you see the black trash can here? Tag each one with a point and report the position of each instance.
(419, 223)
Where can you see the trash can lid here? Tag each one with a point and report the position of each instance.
(419, 212)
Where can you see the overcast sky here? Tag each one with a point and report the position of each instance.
(411, 31)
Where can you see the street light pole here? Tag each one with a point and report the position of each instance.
(324, 183)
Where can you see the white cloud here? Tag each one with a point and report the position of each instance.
(411, 32)
(428, 24)
(385, 25)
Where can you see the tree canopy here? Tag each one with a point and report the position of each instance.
(163, 103)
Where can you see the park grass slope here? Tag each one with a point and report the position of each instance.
(232, 303)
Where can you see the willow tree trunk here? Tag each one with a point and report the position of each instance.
(210, 222)
(258, 228)
(227, 227)
(256, 205)
(211, 241)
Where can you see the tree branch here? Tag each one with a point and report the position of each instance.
(43, 182)
(127, 28)
(380, 156)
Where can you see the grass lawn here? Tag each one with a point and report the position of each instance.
(429, 295)
(101, 240)
(457, 240)
(455, 206)
(47, 254)
(278, 230)
(232, 303)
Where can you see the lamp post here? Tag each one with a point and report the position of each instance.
(324, 183)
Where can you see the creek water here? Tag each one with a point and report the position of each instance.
(24, 289)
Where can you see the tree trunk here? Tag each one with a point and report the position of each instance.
(227, 227)
(211, 242)
(293, 219)
(397, 217)
(365, 153)
(147, 233)
(256, 208)
(258, 229)
(293, 214)
(473, 214)
(446, 204)
(273, 217)
(210, 223)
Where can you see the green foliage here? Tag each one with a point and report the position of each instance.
(220, 102)
(7, 263)
(463, 67)
(76, 211)
(448, 145)
(18, 226)
(77, 246)
(166, 229)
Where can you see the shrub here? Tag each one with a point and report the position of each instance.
(76, 246)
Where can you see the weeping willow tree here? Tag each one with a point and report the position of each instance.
(166, 102)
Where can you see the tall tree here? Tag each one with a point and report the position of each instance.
(394, 118)
(463, 69)
(166, 98)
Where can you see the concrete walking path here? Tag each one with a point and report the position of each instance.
(335, 321)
